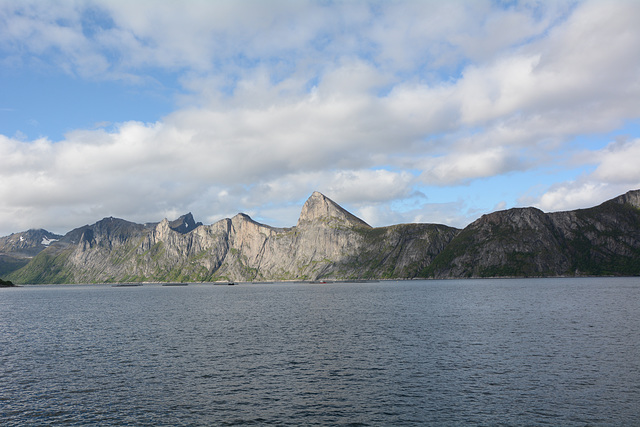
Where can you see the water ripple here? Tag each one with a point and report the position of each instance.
(505, 352)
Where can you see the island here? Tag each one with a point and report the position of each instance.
(6, 284)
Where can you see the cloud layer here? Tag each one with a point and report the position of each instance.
(372, 103)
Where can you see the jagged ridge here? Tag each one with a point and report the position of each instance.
(603, 240)
(329, 242)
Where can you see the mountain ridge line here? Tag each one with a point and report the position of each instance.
(328, 242)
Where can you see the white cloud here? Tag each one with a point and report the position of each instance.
(616, 172)
(369, 186)
(574, 195)
(363, 101)
(619, 163)
(454, 214)
(462, 167)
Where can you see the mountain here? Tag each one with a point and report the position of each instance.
(603, 240)
(184, 224)
(17, 249)
(328, 242)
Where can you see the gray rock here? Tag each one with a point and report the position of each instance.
(330, 243)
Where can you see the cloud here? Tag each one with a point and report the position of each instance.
(574, 195)
(143, 169)
(456, 213)
(368, 102)
(619, 163)
(616, 172)
(461, 167)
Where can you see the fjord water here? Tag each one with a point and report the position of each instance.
(510, 352)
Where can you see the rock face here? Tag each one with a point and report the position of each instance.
(184, 224)
(319, 208)
(603, 240)
(330, 243)
(327, 242)
(17, 249)
(27, 243)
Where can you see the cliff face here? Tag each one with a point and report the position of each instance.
(327, 242)
(330, 243)
(603, 240)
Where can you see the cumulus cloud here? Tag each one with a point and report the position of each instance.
(574, 195)
(366, 102)
(616, 171)
(619, 163)
(458, 168)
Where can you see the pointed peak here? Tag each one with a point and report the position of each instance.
(320, 207)
(184, 224)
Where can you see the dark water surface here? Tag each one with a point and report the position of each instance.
(510, 352)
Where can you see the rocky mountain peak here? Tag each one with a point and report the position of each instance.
(630, 198)
(318, 207)
(184, 224)
(29, 242)
(332, 243)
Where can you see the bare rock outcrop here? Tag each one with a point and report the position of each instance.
(328, 242)
(603, 240)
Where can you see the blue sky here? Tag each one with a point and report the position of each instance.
(403, 111)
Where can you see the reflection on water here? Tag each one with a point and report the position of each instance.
(517, 352)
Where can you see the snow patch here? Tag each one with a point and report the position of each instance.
(47, 242)
(22, 238)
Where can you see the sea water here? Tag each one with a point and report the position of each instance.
(489, 352)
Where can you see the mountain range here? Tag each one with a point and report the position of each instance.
(329, 243)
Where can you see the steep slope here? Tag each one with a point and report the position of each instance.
(604, 240)
(330, 243)
(184, 224)
(17, 249)
(320, 209)
(327, 242)
(80, 255)
(397, 251)
(515, 242)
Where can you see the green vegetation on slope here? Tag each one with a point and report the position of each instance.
(10, 264)
(46, 267)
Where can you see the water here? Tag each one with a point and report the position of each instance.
(488, 352)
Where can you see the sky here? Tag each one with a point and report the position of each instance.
(400, 111)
